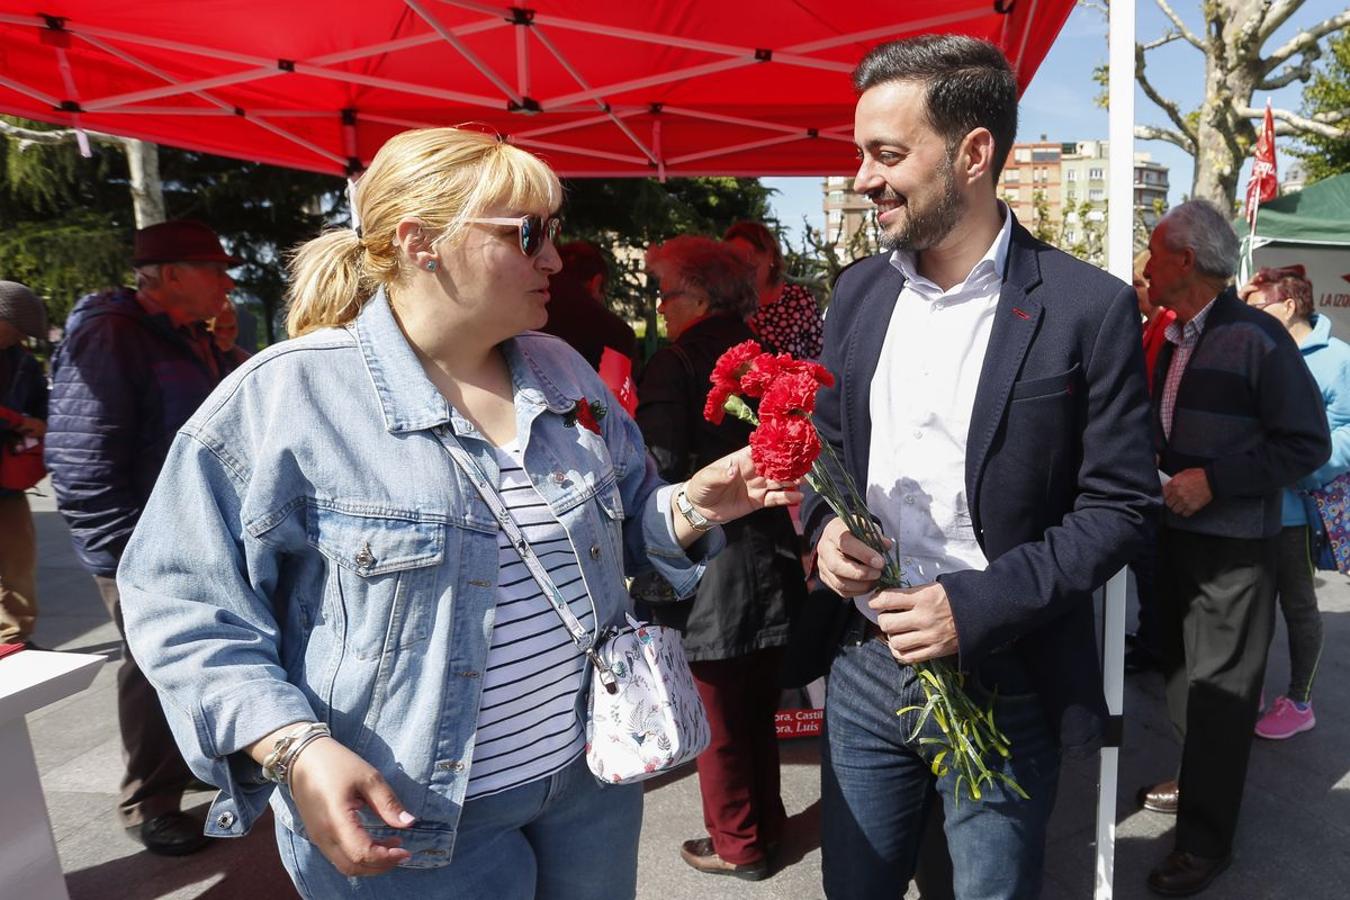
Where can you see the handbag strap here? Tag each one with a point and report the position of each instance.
(585, 641)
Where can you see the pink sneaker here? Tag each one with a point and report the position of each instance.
(1284, 720)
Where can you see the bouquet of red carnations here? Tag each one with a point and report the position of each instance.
(786, 446)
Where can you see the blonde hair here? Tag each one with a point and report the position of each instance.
(440, 176)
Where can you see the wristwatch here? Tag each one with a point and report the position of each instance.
(697, 520)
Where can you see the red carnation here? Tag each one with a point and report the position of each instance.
(726, 378)
(783, 449)
(792, 394)
(588, 418)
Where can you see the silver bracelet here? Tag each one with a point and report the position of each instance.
(277, 764)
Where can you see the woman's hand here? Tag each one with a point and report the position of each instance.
(329, 783)
(730, 488)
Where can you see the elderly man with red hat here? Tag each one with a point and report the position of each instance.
(134, 366)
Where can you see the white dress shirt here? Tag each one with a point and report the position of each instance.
(921, 400)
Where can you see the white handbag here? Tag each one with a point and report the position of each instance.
(645, 715)
(655, 720)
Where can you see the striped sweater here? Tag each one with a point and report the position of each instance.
(1249, 413)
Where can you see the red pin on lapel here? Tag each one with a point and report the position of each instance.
(1021, 313)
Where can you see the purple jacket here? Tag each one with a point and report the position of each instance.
(123, 383)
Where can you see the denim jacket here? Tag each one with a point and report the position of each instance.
(312, 552)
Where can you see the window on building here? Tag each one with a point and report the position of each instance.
(1070, 236)
(1044, 155)
(1095, 174)
(1096, 194)
(1012, 195)
(1071, 175)
(1022, 154)
(1012, 176)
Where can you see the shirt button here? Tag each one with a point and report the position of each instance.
(595, 551)
(225, 820)
(909, 499)
(559, 477)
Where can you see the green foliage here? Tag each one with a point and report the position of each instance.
(65, 221)
(1328, 92)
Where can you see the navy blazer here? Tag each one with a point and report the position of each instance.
(1060, 475)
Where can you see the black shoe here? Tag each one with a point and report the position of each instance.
(1183, 874)
(172, 834)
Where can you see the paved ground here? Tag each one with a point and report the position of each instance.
(1292, 844)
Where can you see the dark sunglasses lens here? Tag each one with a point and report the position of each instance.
(531, 235)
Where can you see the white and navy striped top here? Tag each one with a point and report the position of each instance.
(528, 723)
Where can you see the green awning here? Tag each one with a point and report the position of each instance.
(1320, 213)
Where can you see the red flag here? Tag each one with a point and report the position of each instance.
(1264, 183)
(616, 371)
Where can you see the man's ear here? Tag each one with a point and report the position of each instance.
(975, 156)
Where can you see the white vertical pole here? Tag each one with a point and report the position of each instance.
(1120, 250)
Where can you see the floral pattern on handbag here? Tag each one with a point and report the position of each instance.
(655, 720)
(1333, 507)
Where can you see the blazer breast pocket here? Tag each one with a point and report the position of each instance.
(1062, 384)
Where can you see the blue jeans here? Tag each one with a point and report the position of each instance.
(876, 785)
(564, 837)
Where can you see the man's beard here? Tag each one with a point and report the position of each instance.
(922, 228)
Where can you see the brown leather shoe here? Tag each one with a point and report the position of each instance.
(700, 854)
(1183, 874)
(1161, 798)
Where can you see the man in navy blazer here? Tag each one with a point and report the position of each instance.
(991, 404)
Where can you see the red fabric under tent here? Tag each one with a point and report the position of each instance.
(599, 88)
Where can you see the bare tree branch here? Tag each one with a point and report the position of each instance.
(1167, 38)
(29, 136)
(1300, 71)
(1168, 106)
(1301, 42)
(1279, 14)
(1101, 6)
(1180, 25)
(1154, 133)
(1323, 125)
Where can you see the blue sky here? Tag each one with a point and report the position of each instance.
(1059, 101)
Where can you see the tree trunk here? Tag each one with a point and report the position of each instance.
(1223, 138)
(147, 191)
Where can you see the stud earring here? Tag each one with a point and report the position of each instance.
(431, 265)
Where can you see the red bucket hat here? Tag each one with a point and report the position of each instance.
(180, 240)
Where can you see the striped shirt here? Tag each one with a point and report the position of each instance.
(528, 722)
(1185, 337)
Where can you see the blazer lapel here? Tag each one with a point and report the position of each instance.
(1015, 322)
(868, 334)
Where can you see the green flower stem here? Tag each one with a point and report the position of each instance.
(968, 731)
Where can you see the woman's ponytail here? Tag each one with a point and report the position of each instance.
(328, 287)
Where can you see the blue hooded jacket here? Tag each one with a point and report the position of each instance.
(1328, 359)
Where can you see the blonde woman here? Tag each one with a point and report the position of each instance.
(348, 634)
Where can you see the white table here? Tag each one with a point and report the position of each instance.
(30, 680)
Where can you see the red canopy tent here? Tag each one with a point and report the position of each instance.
(599, 88)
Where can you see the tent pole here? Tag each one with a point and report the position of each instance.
(1120, 251)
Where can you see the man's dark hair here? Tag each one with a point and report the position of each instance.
(582, 261)
(969, 85)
